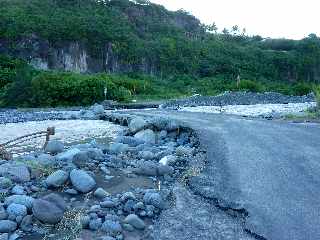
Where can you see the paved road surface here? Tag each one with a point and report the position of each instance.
(269, 171)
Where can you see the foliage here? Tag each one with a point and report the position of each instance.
(317, 94)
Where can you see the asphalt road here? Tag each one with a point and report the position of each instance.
(268, 170)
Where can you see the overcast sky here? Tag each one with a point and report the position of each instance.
(269, 18)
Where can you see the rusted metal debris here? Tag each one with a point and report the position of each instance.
(4, 154)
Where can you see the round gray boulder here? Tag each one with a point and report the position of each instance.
(154, 199)
(49, 209)
(54, 147)
(57, 179)
(137, 124)
(148, 136)
(7, 226)
(17, 210)
(82, 181)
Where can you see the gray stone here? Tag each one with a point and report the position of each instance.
(50, 209)
(26, 223)
(118, 148)
(4, 236)
(128, 227)
(3, 213)
(168, 160)
(54, 147)
(146, 155)
(165, 170)
(7, 226)
(46, 159)
(137, 124)
(163, 134)
(68, 155)
(18, 190)
(135, 221)
(16, 172)
(20, 199)
(148, 136)
(95, 224)
(111, 227)
(82, 181)
(154, 199)
(17, 210)
(101, 193)
(108, 204)
(81, 159)
(147, 168)
(97, 109)
(57, 179)
(131, 141)
(5, 183)
(127, 195)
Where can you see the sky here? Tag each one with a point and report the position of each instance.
(294, 19)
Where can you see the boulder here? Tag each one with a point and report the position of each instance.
(54, 147)
(49, 209)
(146, 155)
(57, 179)
(131, 141)
(81, 159)
(135, 221)
(7, 226)
(137, 124)
(111, 227)
(16, 210)
(82, 181)
(68, 155)
(118, 148)
(147, 168)
(5, 183)
(16, 172)
(18, 190)
(101, 193)
(154, 199)
(148, 136)
(183, 151)
(19, 199)
(97, 109)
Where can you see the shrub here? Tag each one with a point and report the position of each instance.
(317, 94)
(248, 85)
(301, 89)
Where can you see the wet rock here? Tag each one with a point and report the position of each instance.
(5, 183)
(147, 168)
(18, 190)
(49, 209)
(154, 199)
(54, 147)
(111, 227)
(108, 204)
(137, 124)
(57, 179)
(163, 134)
(118, 148)
(82, 181)
(7, 226)
(71, 191)
(101, 193)
(148, 136)
(19, 199)
(129, 206)
(46, 159)
(16, 210)
(135, 221)
(16, 172)
(128, 227)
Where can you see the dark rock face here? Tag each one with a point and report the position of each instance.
(72, 56)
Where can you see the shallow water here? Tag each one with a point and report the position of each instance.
(68, 131)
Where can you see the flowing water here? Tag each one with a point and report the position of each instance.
(68, 131)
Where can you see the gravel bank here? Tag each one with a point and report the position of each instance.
(238, 98)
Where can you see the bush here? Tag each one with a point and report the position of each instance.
(301, 89)
(248, 85)
(317, 94)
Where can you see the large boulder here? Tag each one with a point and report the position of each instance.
(148, 136)
(57, 179)
(97, 109)
(49, 209)
(118, 148)
(137, 124)
(111, 227)
(131, 141)
(7, 226)
(54, 147)
(82, 181)
(16, 172)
